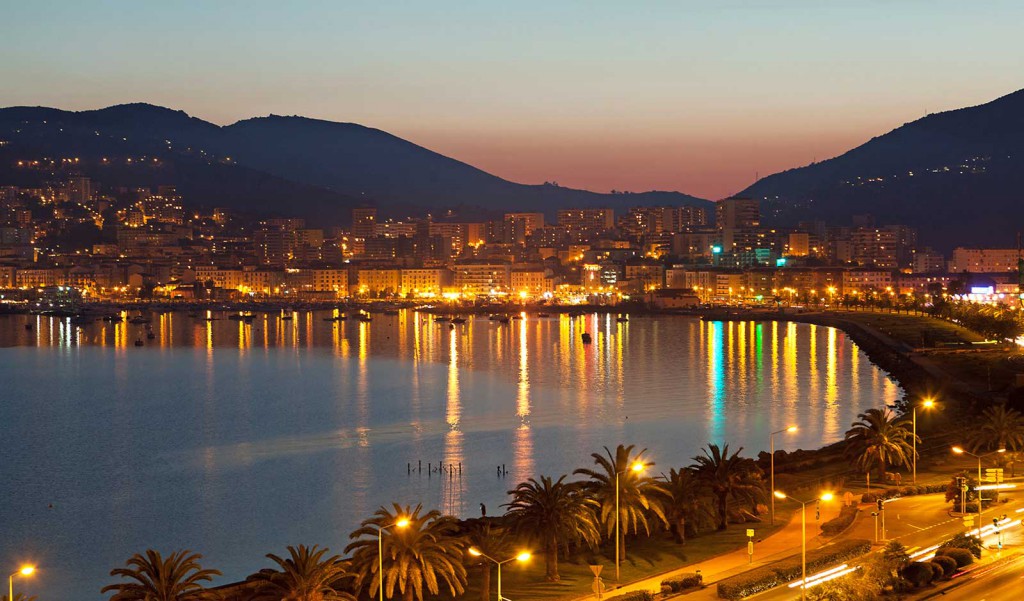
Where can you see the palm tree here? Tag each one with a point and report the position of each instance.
(553, 514)
(688, 508)
(879, 438)
(491, 540)
(177, 578)
(727, 476)
(304, 576)
(638, 496)
(424, 553)
(999, 428)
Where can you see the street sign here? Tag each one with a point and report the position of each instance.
(969, 521)
(750, 533)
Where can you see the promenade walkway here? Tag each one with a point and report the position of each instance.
(780, 545)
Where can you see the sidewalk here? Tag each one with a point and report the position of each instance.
(780, 545)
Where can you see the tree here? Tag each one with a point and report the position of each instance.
(553, 514)
(19, 597)
(304, 576)
(687, 509)
(954, 492)
(999, 428)
(426, 552)
(177, 578)
(727, 477)
(639, 496)
(880, 439)
(965, 541)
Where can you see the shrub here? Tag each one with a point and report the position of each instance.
(918, 573)
(841, 522)
(938, 571)
(962, 557)
(683, 582)
(948, 564)
(868, 497)
(634, 596)
(964, 541)
(780, 572)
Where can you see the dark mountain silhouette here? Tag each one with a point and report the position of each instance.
(957, 175)
(289, 165)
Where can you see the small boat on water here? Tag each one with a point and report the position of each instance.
(622, 318)
(494, 317)
(150, 335)
(28, 327)
(139, 342)
(287, 317)
(391, 312)
(138, 319)
(364, 317)
(543, 315)
(442, 318)
(113, 318)
(585, 337)
(458, 320)
(505, 320)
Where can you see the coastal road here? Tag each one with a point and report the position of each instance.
(1000, 582)
(920, 522)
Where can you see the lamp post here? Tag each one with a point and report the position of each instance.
(524, 556)
(771, 485)
(927, 404)
(636, 467)
(400, 523)
(961, 451)
(803, 533)
(25, 571)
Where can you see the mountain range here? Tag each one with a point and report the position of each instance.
(958, 175)
(285, 165)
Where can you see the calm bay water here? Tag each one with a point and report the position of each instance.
(236, 440)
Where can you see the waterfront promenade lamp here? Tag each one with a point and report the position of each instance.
(524, 556)
(24, 571)
(826, 496)
(927, 403)
(400, 523)
(771, 484)
(636, 467)
(961, 451)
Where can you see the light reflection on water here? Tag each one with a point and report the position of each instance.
(237, 439)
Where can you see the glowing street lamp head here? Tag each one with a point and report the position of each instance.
(958, 450)
(928, 403)
(475, 552)
(524, 556)
(826, 496)
(27, 570)
(637, 466)
(402, 523)
(1001, 451)
(791, 429)
(779, 494)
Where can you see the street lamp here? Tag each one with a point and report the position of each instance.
(961, 451)
(927, 404)
(524, 556)
(771, 443)
(401, 523)
(803, 533)
(637, 467)
(24, 571)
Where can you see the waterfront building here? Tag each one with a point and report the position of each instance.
(425, 281)
(481, 279)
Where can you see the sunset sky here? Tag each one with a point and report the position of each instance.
(674, 95)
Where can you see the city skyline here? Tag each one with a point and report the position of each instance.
(681, 97)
